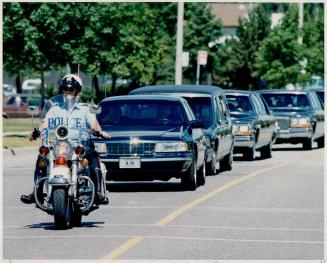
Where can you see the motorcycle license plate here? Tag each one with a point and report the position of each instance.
(129, 162)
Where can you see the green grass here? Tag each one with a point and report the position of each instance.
(19, 124)
(17, 141)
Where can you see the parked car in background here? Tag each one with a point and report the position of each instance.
(254, 127)
(152, 138)
(16, 105)
(31, 85)
(209, 105)
(299, 114)
(9, 90)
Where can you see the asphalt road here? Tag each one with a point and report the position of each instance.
(269, 209)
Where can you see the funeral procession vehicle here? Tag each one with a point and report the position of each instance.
(299, 114)
(152, 138)
(254, 127)
(209, 105)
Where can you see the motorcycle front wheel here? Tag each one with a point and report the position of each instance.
(62, 208)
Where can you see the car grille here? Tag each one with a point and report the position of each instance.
(125, 149)
(283, 123)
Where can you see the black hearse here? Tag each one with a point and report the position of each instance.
(209, 105)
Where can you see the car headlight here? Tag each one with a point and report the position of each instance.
(171, 147)
(244, 129)
(63, 148)
(100, 147)
(300, 123)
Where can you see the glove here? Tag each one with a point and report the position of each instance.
(35, 134)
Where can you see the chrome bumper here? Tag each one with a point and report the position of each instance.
(244, 141)
(294, 133)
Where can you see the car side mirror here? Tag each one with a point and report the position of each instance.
(197, 124)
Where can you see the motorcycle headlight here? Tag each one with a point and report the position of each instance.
(63, 148)
(62, 132)
(100, 147)
(299, 123)
(171, 147)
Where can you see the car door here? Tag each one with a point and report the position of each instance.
(265, 121)
(318, 114)
(197, 134)
(224, 126)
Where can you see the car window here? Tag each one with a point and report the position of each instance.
(189, 111)
(202, 109)
(11, 101)
(240, 104)
(260, 105)
(315, 101)
(141, 112)
(321, 95)
(287, 100)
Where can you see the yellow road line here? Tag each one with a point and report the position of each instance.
(184, 208)
(124, 247)
(137, 239)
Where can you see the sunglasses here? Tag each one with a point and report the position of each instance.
(70, 89)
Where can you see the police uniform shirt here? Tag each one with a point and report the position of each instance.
(77, 118)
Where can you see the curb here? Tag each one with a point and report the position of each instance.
(23, 133)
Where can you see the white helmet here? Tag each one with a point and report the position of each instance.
(71, 81)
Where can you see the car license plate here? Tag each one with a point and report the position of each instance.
(129, 162)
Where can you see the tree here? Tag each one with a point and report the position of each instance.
(279, 59)
(235, 59)
(200, 29)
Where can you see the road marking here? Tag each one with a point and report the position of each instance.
(188, 206)
(193, 226)
(124, 247)
(137, 239)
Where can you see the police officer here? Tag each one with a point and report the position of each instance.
(71, 85)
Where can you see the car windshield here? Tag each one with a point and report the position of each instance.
(141, 112)
(286, 100)
(201, 107)
(239, 104)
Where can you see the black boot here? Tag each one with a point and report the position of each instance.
(28, 199)
(102, 199)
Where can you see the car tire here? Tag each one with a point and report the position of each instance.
(308, 144)
(321, 142)
(201, 176)
(249, 154)
(226, 164)
(211, 166)
(266, 151)
(189, 178)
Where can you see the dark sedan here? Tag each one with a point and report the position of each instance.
(299, 114)
(254, 127)
(152, 137)
(208, 104)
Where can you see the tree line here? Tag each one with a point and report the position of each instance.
(136, 41)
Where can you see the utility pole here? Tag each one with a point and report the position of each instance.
(179, 44)
(300, 38)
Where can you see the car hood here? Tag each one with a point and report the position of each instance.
(291, 111)
(169, 133)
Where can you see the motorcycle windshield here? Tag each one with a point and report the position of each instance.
(64, 110)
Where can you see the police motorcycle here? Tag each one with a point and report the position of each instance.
(66, 188)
